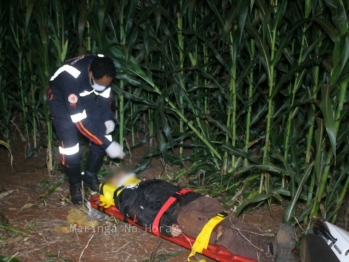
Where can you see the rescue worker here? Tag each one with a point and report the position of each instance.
(79, 98)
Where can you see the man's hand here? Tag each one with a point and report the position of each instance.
(115, 151)
(110, 125)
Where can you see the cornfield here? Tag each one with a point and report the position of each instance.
(249, 94)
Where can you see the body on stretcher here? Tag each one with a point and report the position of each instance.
(105, 204)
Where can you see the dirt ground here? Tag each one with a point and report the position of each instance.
(25, 210)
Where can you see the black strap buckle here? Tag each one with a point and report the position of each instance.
(101, 189)
(117, 191)
(223, 214)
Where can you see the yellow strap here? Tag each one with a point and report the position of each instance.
(105, 202)
(203, 238)
(131, 181)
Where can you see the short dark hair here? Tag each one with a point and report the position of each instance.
(102, 66)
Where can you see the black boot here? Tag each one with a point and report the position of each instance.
(93, 164)
(285, 244)
(74, 180)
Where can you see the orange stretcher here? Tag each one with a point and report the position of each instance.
(215, 252)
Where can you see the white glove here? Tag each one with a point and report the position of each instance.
(110, 125)
(115, 151)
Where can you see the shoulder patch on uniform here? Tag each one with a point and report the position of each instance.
(72, 98)
(74, 60)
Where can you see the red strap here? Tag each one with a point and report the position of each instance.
(164, 208)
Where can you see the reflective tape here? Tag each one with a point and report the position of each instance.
(105, 93)
(78, 117)
(109, 137)
(69, 150)
(66, 68)
(86, 93)
(100, 55)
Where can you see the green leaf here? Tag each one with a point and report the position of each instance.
(265, 13)
(290, 74)
(280, 14)
(263, 49)
(133, 97)
(305, 212)
(142, 165)
(128, 79)
(256, 199)
(164, 123)
(214, 9)
(82, 24)
(328, 113)
(291, 207)
(339, 15)
(319, 157)
(328, 27)
(4, 258)
(340, 57)
(232, 15)
(271, 168)
(29, 12)
(238, 152)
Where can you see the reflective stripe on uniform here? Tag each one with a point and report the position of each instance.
(83, 130)
(66, 68)
(100, 55)
(86, 93)
(78, 117)
(105, 93)
(69, 150)
(109, 137)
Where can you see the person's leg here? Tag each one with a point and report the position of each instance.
(94, 162)
(243, 239)
(236, 236)
(69, 144)
(70, 156)
(194, 216)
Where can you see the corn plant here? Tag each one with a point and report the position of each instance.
(250, 94)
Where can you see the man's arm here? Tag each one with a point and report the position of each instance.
(105, 100)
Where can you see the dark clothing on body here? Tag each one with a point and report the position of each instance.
(76, 107)
(192, 211)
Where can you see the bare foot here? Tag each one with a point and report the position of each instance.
(176, 230)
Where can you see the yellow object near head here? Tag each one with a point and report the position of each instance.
(107, 195)
(109, 191)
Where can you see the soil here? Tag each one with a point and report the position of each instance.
(25, 210)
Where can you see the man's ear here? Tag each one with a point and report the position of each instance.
(90, 75)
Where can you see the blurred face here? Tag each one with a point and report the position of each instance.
(116, 179)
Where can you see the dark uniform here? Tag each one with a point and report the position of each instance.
(77, 107)
(74, 108)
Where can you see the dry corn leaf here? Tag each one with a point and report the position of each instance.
(28, 205)
(62, 229)
(10, 241)
(76, 217)
(5, 194)
(79, 218)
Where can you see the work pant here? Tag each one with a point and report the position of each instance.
(238, 237)
(69, 142)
